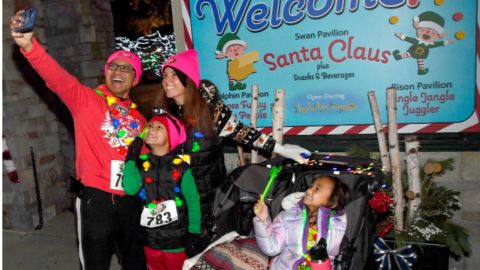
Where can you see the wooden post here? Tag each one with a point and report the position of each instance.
(278, 115)
(382, 143)
(413, 172)
(253, 119)
(241, 156)
(395, 157)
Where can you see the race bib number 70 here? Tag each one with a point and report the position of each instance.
(116, 174)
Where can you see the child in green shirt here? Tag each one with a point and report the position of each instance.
(170, 221)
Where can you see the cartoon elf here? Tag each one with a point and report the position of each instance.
(239, 63)
(429, 27)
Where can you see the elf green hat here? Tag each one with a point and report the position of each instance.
(430, 19)
(227, 40)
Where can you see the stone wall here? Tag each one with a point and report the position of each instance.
(79, 34)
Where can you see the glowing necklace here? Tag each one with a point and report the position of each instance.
(197, 135)
(115, 111)
(325, 227)
(146, 164)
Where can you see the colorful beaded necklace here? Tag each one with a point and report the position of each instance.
(115, 111)
(146, 164)
(325, 227)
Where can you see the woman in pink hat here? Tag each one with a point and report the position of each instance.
(207, 120)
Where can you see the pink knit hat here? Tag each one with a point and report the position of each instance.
(131, 58)
(175, 129)
(186, 62)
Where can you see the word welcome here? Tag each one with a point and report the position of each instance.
(260, 15)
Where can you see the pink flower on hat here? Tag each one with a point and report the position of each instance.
(186, 62)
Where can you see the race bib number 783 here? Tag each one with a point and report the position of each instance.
(163, 214)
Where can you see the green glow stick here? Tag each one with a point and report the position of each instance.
(273, 175)
(144, 132)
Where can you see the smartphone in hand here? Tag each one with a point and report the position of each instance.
(28, 20)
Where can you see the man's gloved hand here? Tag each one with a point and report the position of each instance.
(134, 149)
(194, 245)
(292, 151)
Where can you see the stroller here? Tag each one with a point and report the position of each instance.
(233, 206)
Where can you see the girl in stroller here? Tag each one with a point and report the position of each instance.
(320, 214)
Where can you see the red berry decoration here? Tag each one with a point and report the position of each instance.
(176, 174)
(148, 180)
(380, 201)
(122, 151)
(458, 16)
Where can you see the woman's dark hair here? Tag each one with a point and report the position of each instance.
(196, 113)
(340, 193)
(181, 76)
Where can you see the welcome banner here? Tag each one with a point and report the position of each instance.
(328, 54)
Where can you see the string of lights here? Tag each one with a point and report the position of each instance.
(152, 49)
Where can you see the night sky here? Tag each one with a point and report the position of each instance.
(136, 18)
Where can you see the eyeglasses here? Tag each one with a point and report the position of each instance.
(123, 68)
